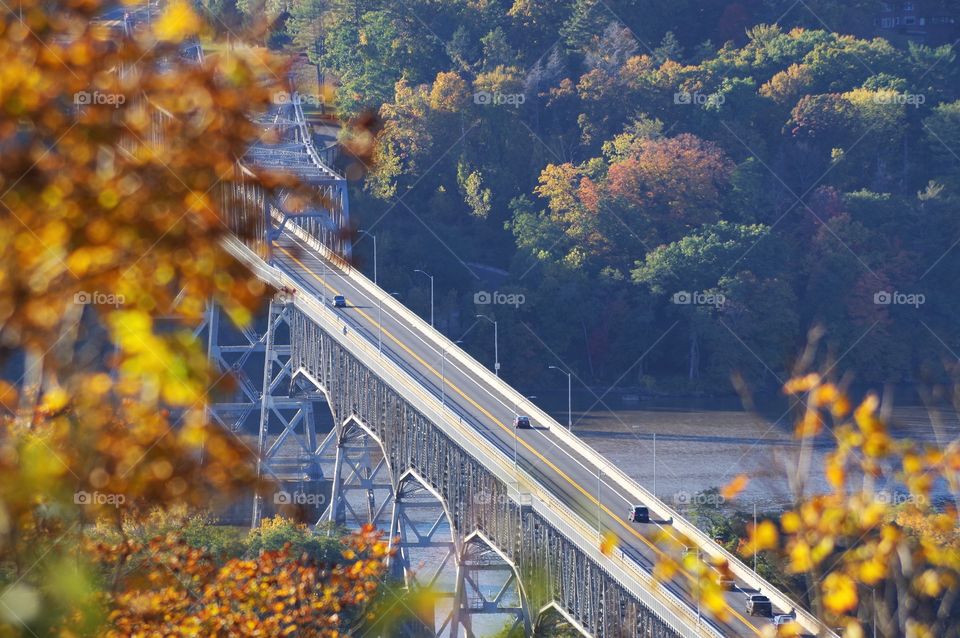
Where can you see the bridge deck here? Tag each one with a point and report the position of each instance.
(562, 469)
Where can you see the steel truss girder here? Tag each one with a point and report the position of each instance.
(550, 568)
(410, 532)
(274, 407)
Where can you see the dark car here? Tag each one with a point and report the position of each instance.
(339, 301)
(521, 422)
(639, 514)
(759, 605)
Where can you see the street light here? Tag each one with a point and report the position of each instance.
(699, 594)
(380, 321)
(431, 293)
(496, 347)
(364, 232)
(569, 396)
(443, 378)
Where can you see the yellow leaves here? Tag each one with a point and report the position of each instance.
(608, 543)
(734, 487)
(929, 583)
(865, 415)
(54, 401)
(835, 471)
(790, 522)
(762, 537)
(178, 22)
(872, 572)
(712, 598)
(800, 560)
(840, 593)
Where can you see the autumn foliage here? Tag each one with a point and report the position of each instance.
(118, 147)
(173, 589)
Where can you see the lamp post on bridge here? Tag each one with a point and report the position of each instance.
(380, 321)
(569, 396)
(431, 293)
(369, 234)
(496, 346)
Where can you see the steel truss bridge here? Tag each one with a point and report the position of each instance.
(367, 415)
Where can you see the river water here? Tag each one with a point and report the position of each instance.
(704, 443)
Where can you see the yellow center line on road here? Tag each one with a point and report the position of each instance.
(511, 432)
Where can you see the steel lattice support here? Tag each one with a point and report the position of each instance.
(551, 569)
(361, 469)
(427, 554)
(274, 414)
(489, 585)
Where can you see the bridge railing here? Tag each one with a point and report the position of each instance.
(650, 592)
(455, 355)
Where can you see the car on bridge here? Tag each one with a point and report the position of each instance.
(639, 514)
(521, 422)
(784, 619)
(759, 605)
(339, 301)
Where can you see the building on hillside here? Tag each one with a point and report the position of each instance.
(930, 22)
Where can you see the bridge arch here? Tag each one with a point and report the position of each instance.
(427, 553)
(486, 570)
(363, 483)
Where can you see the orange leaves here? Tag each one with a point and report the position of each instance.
(732, 489)
(185, 593)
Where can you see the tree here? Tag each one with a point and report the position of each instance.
(307, 28)
(181, 591)
(365, 61)
(942, 132)
(117, 201)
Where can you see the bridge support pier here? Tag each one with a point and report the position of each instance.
(276, 408)
(360, 469)
(426, 557)
(489, 586)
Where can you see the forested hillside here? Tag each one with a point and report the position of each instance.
(671, 199)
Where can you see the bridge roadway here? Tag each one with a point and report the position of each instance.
(561, 469)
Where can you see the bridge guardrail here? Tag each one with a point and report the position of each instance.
(660, 600)
(454, 353)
